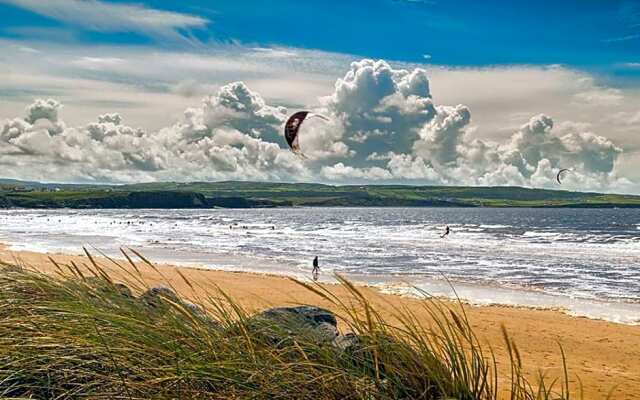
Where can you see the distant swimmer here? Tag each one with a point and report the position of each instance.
(316, 269)
(446, 233)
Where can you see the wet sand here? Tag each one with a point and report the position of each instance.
(602, 354)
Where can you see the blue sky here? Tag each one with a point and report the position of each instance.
(452, 32)
(418, 91)
(598, 35)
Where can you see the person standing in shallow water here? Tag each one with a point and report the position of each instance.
(316, 269)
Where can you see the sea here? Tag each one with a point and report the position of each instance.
(585, 262)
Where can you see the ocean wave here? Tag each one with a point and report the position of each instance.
(592, 254)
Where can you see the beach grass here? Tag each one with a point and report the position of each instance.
(83, 333)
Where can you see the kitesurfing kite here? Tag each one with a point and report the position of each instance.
(560, 173)
(292, 128)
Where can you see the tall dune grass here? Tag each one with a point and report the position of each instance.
(79, 334)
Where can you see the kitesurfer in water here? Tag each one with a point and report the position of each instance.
(316, 269)
(446, 233)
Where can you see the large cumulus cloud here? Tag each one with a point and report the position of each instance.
(381, 108)
(230, 136)
(384, 127)
(392, 122)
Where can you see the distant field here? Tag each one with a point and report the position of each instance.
(255, 194)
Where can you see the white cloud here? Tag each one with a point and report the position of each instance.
(606, 96)
(341, 172)
(391, 121)
(148, 81)
(587, 153)
(43, 109)
(103, 16)
(98, 63)
(409, 167)
(270, 52)
(379, 157)
(631, 119)
(387, 123)
(222, 139)
(27, 49)
(622, 38)
(439, 138)
(152, 87)
(381, 108)
(191, 88)
(631, 64)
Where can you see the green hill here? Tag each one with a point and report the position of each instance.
(261, 194)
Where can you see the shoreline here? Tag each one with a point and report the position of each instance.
(603, 354)
(409, 286)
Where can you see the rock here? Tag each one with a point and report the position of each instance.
(194, 308)
(124, 290)
(200, 314)
(103, 286)
(155, 296)
(346, 342)
(11, 268)
(299, 320)
(313, 315)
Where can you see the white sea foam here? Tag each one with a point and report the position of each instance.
(578, 255)
(619, 312)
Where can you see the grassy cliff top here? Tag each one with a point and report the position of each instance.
(263, 194)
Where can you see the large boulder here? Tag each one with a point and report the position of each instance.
(316, 322)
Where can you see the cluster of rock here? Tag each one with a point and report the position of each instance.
(274, 323)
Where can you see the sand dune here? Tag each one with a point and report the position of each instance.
(602, 354)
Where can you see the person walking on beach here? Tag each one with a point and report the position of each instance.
(446, 233)
(316, 269)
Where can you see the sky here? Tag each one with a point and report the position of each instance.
(416, 91)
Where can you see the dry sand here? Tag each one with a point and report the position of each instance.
(604, 355)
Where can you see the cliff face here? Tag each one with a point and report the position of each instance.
(149, 199)
(5, 202)
(241, 202)
(160, 199)
(164, 200)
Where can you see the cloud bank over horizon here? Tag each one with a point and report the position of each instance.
(386, 127)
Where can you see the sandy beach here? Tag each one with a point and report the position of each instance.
(604, 355)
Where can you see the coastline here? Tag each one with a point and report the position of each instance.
(603, 354)
(247, 194)
(479, 294)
